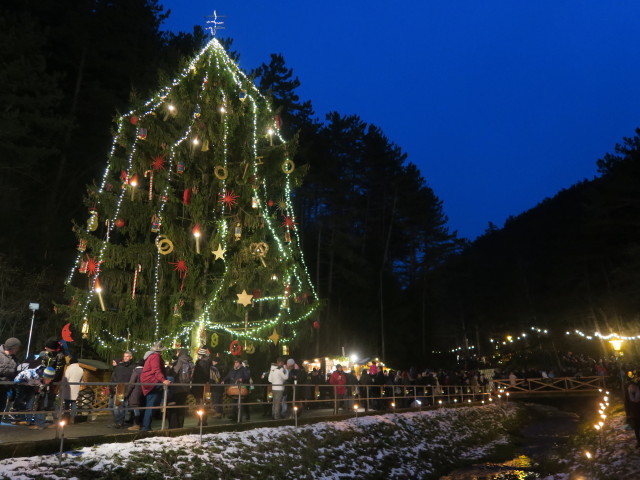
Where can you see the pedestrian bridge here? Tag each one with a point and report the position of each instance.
(550, 387)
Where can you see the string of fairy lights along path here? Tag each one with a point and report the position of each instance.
(509, 339)
(214, 51)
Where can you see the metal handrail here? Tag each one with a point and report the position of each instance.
(374, 397)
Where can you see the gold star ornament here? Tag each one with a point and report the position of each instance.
(244, 298)
(219, 253)
(274, 337)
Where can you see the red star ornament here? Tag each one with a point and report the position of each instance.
(288, 222)
(228, 198)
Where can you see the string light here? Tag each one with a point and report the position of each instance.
(294, 273)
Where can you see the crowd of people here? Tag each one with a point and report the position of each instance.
(140, 388)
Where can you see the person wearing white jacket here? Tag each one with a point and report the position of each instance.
(70, 388)
(277, 376)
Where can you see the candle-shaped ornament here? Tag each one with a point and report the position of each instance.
(196, 233)
(133, 182)
(98, 289)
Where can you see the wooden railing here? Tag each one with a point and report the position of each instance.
(546, 386)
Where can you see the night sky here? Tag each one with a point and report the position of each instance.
(500, 103)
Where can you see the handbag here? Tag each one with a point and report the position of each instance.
(236, 390)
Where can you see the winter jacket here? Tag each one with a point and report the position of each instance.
(339, 378)
(30, 376)
(152, 372)
(133, 392)
(73, 374)
(237, 375)
(56, 361)
(121, 374)
(633, 406)
(8, 365)
(184, 363)
(277, 377)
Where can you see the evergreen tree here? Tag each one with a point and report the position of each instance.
(191, 232)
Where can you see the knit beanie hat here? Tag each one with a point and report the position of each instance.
(203, 352)
(49, 372)
(52, 343)
(12, 343)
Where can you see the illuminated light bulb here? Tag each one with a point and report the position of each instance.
(603, 416)
(606, 399)
(196, 141)
(196, 233)
(171, 108)
(98, 289)
(596, 426)
(601, 423)
(62, 423)
(223, 110)
(588, 455)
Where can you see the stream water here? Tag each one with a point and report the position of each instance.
(538, 441)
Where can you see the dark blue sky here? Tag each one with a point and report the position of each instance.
(500, 103)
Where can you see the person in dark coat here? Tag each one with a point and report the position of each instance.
(8, 368)
(134, 397)
(120, 375)
(238, 375)
(182, 371)
(201, 376)
(55, 359)
(365, 384)
(633, 405)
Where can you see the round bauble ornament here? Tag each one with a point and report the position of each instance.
(120, 222)
(316, 324)
(270, 203)
(134, 120)
(257, 293)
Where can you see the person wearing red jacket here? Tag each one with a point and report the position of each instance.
(339, 379)
(152, 372)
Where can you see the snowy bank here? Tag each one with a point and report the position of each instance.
(405, 445)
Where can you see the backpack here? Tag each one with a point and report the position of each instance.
(186, 372)
(214, 374)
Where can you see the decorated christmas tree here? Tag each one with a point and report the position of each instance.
(191, 235)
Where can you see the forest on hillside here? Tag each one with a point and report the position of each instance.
(394, 280)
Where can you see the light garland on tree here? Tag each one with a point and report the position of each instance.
(295, 277)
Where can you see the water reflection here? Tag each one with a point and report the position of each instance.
(518, 468)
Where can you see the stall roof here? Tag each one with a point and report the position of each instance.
(93, 365)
